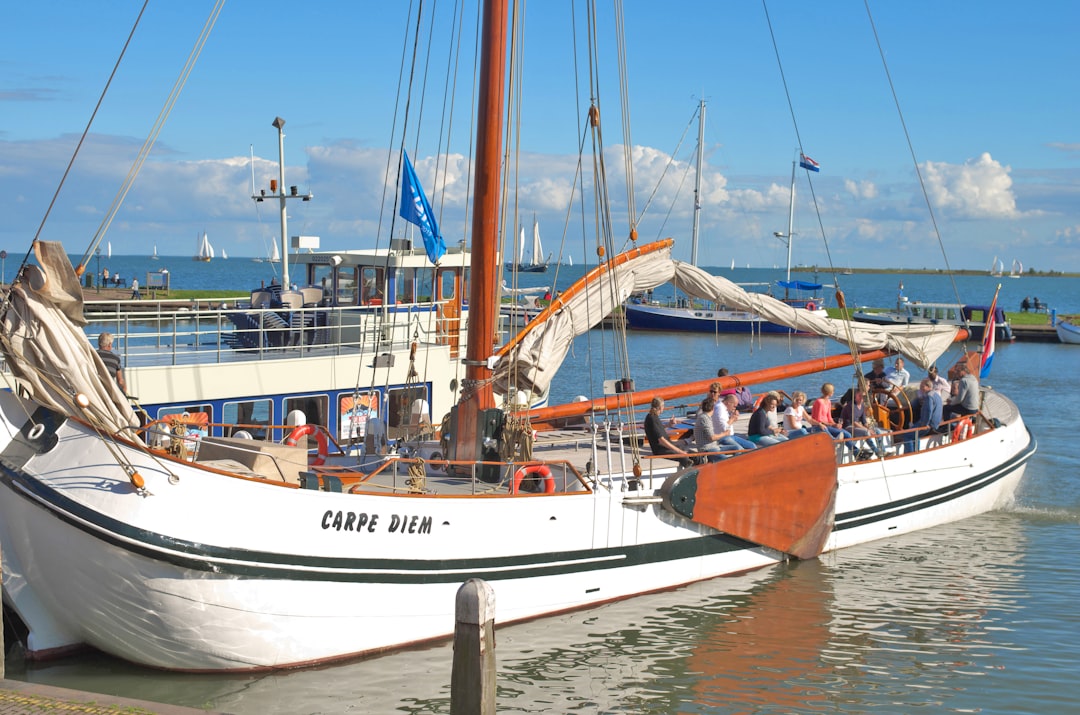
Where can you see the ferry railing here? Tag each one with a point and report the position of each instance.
(158, 333)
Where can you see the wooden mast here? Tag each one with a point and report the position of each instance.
(477, 396)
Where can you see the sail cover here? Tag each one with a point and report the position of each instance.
(531, 360)
(47, 350)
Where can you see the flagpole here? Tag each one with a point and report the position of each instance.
(989, 341)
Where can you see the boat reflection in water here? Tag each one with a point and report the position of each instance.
(915, 620)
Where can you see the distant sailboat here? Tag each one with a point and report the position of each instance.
(108, 249)
(154, 257)
(224, 255)
(997, 268)
(537, 263)
(569, 260)
(1017, 269)
(206, 251)
(732, 264)
(275, 254)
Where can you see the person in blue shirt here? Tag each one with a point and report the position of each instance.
(929, 416)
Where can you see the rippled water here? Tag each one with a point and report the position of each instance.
(976, 616)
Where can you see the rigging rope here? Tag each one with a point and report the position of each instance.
(148, 144)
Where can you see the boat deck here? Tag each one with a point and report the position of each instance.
(574, 459)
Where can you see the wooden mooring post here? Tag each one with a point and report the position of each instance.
(472, 682)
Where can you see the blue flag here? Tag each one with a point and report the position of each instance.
(416, 209)
(808, 163)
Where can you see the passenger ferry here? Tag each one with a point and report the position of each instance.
(361, 334)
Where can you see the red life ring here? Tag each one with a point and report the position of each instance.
(320, 438)
(963, 428)
(810, 305)
(541, 470)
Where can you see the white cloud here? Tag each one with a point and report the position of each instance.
(978, 188)
(861, 189)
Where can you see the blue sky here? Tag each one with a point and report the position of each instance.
(989, 93)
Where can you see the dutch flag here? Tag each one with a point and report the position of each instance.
(808, 163)
(989, 341)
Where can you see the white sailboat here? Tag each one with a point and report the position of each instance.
(997, 268)
(154, 256)
(206, 251)
(299, 559)
(108, 249)
(275, 254)
(224, 255)
(536, 263)
(1017, 269)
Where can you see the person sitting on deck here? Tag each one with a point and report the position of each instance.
(853, 419)
(764, 429)
(822, 413)
(704, 436)
(657, 435)
(929, 417)
(727, 412)
(795, 416)
(965, 399)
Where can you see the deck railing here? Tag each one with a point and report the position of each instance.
(164, 334)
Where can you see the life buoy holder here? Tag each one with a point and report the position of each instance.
(320, 438)
(540, 470)
(962, 430)
(810, 305)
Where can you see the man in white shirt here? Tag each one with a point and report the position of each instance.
(896, 374)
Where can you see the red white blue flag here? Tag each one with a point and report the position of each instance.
(808, 163)
(989, 341)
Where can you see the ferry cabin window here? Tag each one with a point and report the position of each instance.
(251, 416)
(371, 280)
(425, 285)
(346, 285)
(322, 275)
(314, 407)
(404, 285)
(447, 278)
(408, 409)
(354, 411)
(198, 420)
(208, 410)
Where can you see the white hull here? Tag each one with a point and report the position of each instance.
(208, 571)
(1068, 333)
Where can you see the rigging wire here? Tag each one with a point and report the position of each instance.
(914, 158)
(89, 123)
(159, 124)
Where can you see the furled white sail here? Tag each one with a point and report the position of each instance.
(531, 362)
(48, 352)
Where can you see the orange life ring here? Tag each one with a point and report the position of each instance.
(541, 470)
(963, 428)
(320, 438)
(810, 305)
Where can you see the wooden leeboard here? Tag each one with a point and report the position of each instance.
(782, 497)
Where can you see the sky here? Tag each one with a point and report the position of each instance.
(988, 93)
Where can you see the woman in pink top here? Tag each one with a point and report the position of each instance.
(821, 414)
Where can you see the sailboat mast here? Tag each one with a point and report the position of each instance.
(477, 394)
(279, 124)
(697, 182)
(790, 225)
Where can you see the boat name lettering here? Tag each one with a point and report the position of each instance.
(361, 521)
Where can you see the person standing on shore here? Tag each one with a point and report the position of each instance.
(135, 294)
